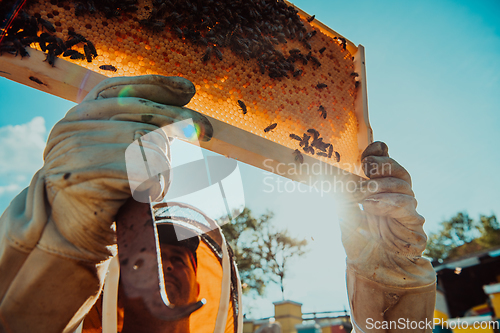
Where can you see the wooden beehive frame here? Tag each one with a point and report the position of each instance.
(73, 82)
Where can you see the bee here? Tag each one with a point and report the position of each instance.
(91, 6)
(281, 38)
(306, 44)
(315, 60)
(354, 74)
(297, 73)
(42, 42)
(218, 53)
(74, 34)
(46, 24)
(207, 54)
(270, 127)
(309, 150)
(51, 58)
(53, 47)
(9, 49)
(36, 80)
(75, 39)
(80, 9)
(88, 53)
(314, 133)
(321, 50)
(262, 67)
(279, 54)
(321, 85)
(319, 144)
(110, 13)
(319, 153)
(294, 51)
(77, 55)
(203, 41)
(28, 40)
(175, 17)
(305, 140)
(162, 10)
(295, 137)
(323, 111)
(108, 68)
(311, 18)
(330, 150)
(20, 48)
(69, 53)
(298, 156)
(304, 59)
(155, 26)
(248, 29)
(311, 34)
(337, 156)
(177, 31)
(242, 106)
(246, 55)
(92, 49)
(343, 41)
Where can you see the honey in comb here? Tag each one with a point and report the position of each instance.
(291, 102)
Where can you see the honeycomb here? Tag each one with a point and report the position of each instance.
(233, 89)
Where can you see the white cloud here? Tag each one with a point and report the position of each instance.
(9, 188)
(21, 147)
(21, 155)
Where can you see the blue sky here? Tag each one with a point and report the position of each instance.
(433, 71)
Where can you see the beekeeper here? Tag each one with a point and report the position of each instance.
(57, 236)
(180, 267)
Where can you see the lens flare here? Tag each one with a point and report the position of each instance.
(192, 132)
(126, 91)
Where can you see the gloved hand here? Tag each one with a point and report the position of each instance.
(85, 173)
(57, 235)
(387, 278)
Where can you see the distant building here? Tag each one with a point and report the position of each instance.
(291, 319)
(468, 290)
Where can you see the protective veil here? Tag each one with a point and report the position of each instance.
(216, 271)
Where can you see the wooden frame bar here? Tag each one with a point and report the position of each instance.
(72, 82)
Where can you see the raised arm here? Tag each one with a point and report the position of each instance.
(391, 287)
(57, 235)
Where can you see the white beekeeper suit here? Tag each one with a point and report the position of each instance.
(57, 236)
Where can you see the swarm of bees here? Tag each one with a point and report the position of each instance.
(251, 30)
(24, 30)
(316, 146)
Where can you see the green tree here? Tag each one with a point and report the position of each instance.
(262, 252)
(462, 235)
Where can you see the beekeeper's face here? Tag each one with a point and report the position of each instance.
(180, 275)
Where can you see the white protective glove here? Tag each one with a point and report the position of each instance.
(57, 235)
(387, 279)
